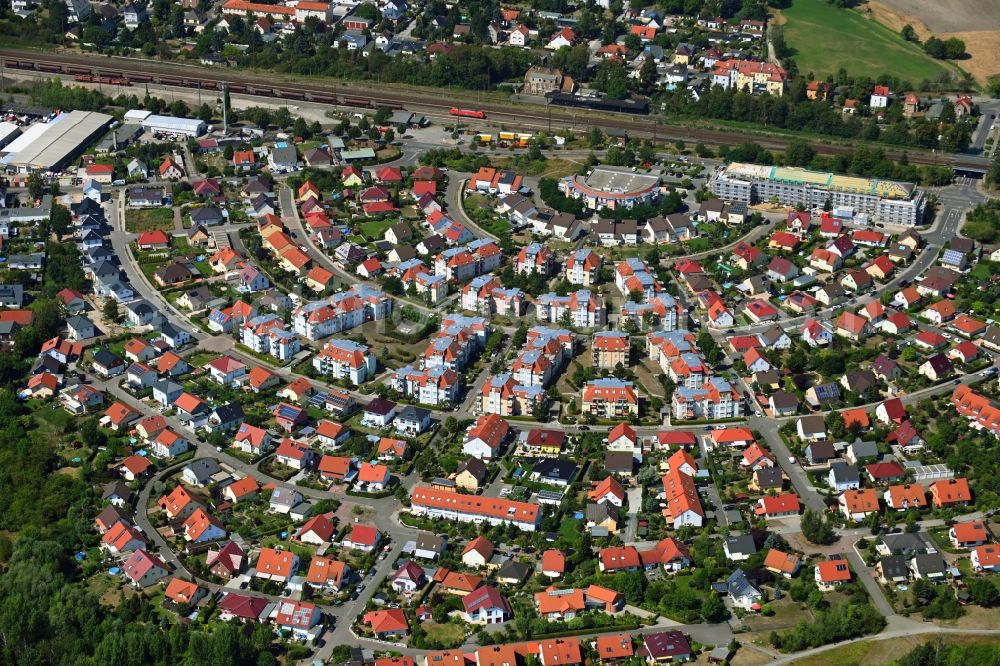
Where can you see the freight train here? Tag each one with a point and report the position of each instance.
(85, 75)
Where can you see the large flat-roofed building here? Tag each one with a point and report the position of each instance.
(884, 200)
(51, 146)
(8, 132)
(606, 187)
(192, 127)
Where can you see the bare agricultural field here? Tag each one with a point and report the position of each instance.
(975, 22)
(947, 16)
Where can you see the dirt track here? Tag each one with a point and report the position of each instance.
(976, 22)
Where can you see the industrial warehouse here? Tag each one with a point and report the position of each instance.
(51, 146)
(157, 124)
(883, 200)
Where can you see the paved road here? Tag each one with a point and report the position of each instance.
(955, 200)
(875, 591)
(120, 243)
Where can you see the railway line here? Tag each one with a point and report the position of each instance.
(126, 71)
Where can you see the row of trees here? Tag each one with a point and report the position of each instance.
(793, 112)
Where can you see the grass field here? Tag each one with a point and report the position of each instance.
(825, 38)
(375, 229)
(876, 653)
(149, 219)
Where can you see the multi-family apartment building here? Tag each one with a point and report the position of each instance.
(268, 334)
(346, 359)
(487, 295)
(582, 267)
(884, 200)
(430, 386)
(584, 308)
(504, 396)
(714, 399)
(434, 503)
(341, 312)
(610, 398)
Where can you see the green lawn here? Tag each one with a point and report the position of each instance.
(825, 38)
(375, 229)
(149, 219)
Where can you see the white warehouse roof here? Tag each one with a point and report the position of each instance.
(136, 116)
(59, 140)
(8, 132)
(172, 125)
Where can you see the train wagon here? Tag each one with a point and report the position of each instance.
(322, 99)
(83, 78)
(237, 88)
(169, 81)
(290, 94)
(354, 101)
(49, 68)
(140, 78)
(467, 113)
(632, 105)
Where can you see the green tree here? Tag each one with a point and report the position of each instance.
(36, 186)
(816, 528)
(110, 309)
(799, 153)
(983, 592)
(61, 220)
(908, 33)
(713, 610)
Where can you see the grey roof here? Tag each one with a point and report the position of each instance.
(784, 400)
(514, 570)
(106, 359)
(206, 214)
(12, 293)
(79, 322)
(894, 566)
(167, 386)
(168, 330)
(432, 542)
(411, 413)
(475, 467)
(929, 563)
(232, 411)
(769, 477)
(203, 469)
(741, 544)
(284, 155)
(553, 468)
(740, 586)
(116, 488)
(864, 449)
(598, 513)
(844, 473)
(619, 461)
(904, 542)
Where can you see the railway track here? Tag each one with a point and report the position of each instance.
(192, 76)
